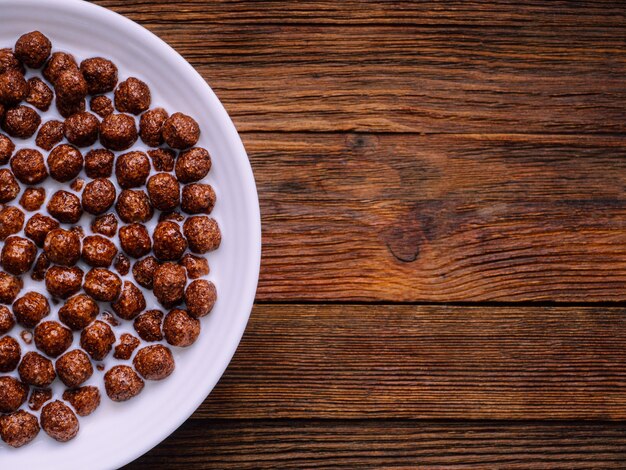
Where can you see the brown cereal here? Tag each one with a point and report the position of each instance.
(59, 421)
(8, 61)
(10, 287)
(202, 233)
(13, 394)
(181, 131)
(28, 166)
(98, 196)
(100, 74)
(162, 159)
(19, 428)
(9, 187)
(11, 221)
(150, 126)
(30, 309)
(7, 322)
(143, 271)
(18, 255)
(122, 383)
(33, 49)
(193, 165)
(85, 400)
(49, 135)
(65, 207)
(67, 108)
(169, 243)
(40, 94)
(13, 87)
(70, 86)
(10, 354)
(122, 264)
(52, 338)
(99, 163)
(198, 199)
(33, 198)
(97, 339)
(164, 191)
(98, 251)
(154, 362)
(74, 368)
(7, 147)
(132, 96)
(200, 297)
(135, 240)
(36, 370)
(132, 169)
(81, 129)
(58, 63)
(171, 216)
(38, 397)
(78, 312)
(105, 225)
(148, 325)
(38, 227)
(77, 185)
(102, 106)
(169, 284)
(21, 122)
(26, 336)
(180, 328)
(130, 303)
(62, 247)
(118, 132)
(134, 206)
(196, 266)
(124, 349)
(62, 281)
(103, 285)
(40, 267)
(65, 162)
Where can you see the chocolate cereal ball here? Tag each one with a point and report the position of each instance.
(118, 132)
(65, 207)
(59, 421)
(52, 338)
(169, 243)
(132, 96)
(102, 105)
(143, 271)
(198, 199)
(74, 368)
(38, 227)
(122, 383)
(103, 285)
(150, 126)
(98, 196)
(62, 281)
(202, 233)
(28, 166)
(200, 297)
(85, 400)
(65, 162)
(42, 263)
(78, 312)
(30, 309)
(135, 240)
(13, 87)
(7, 147)
(10, 354)
(148, 325)
(98, 251)
(193, 165)
(19, 428)
(21, 122)
(11, 221)
(81, 129)
(62, 247)
(181, 131)
(10, 287)
(162, 159)
(134, 206)
(50, 134)
(7, 322)
(99, 163)
(70, 86)
(100, 74)
(105, 225)
(154, 362)
(180, 328)
(33, 198)
(33, 49)
(68, 108)
(9, 187)
(130, 303)
(36, 370)
(40, 95)
(13, 394)
(124, 349)
(18, 255)
(8, 61)
(196, 266)
(169, 284)
(132, 169)
(97, 339)
(164, 191)
(58, 63)
(122, 264)
(38, 398)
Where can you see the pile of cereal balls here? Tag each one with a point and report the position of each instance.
(126, 224)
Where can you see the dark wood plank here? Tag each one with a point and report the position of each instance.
(436, 362)
(441, 218)
(383, 444)
(447, 79)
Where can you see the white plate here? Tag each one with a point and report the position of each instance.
(118, 433)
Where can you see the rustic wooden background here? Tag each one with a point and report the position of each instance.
(443, 195)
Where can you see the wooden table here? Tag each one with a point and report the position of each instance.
(444, 213)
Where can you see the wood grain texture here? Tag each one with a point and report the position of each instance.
(294, 444)
(436, 362)
(441, 218)
(404, 78)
